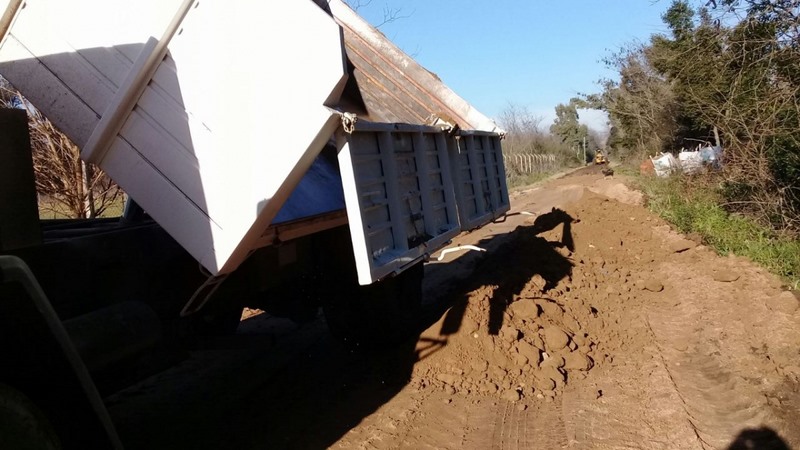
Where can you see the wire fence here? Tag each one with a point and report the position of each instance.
(527, 163)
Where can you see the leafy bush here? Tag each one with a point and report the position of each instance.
(728, 71)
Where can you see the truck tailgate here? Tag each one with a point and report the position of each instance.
(409, 189)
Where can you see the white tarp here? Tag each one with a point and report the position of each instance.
(665, 164)
(691, 162)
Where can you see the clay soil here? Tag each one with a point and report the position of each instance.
(587, 323)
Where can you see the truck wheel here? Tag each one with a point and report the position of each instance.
(386, 312)
(23, 426)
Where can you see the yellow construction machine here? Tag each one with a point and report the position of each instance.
(600, 158)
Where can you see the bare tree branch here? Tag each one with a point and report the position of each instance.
(65, 184)
(389, 14)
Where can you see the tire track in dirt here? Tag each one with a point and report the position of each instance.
(719, 343)
(687, 395)
(630, 405)
(484, 424)
(717, 402)
(539, 427)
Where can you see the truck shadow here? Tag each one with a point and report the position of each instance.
(511, 266)
(306, 390)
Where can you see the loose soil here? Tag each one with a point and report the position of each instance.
(594, 325)
(588, 323)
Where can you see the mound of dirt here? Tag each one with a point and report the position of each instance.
(541, 346)
(525, 334)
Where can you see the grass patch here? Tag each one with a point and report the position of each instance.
(52, 209)
(694, 207)
(517, 181)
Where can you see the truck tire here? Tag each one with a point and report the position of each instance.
(386, 312)
(23, 426)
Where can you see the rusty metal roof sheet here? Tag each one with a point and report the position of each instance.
(393, 86)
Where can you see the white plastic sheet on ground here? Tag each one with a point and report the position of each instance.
(691, 162)
(665, 164)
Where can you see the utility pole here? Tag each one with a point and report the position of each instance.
(584, 150)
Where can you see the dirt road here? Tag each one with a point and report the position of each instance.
(588, 323)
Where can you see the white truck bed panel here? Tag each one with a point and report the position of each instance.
(70, 57)
(199, 110)
(70, 114)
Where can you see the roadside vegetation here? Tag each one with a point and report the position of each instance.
(695, 207)
(532, 152)
(727, 74)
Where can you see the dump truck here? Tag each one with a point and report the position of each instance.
(276, 155)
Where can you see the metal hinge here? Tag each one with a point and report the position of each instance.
(349, 122)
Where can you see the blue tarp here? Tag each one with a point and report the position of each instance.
(712, 156)
(320, 191)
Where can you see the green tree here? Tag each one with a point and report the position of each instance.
(567, 127)
(680, 20)
(732, 70)
(641, 105)
(524, 137)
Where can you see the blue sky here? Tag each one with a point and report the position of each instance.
(534, 53)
